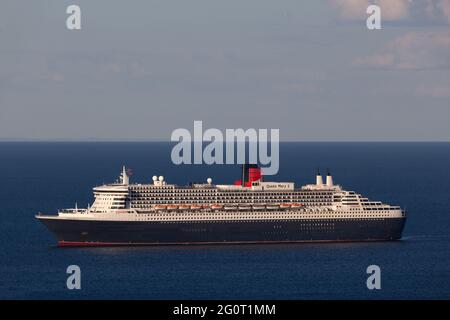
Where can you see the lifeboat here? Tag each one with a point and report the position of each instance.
(244, 207)
(184, 207)
(272, 207)
(285, 205)
(144, 211)
(206, 206)
(196, 207)
(160, 207)
(296, 205)
(258, 207)
(230, 208)
(172, 207)
(216, 206)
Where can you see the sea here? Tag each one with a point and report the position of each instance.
(47, 176)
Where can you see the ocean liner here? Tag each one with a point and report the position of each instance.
(249, 211)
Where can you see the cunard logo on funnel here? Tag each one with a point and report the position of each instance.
(235, 146)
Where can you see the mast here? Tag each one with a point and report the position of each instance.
(125, 178)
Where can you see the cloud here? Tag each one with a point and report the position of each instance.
(351, 9)
(53, 76)
(413, 50)
(393, 10)
(434, 91)
(445, 6)
(376, 60)
(423, 11)
(303, 88)
(432, 10)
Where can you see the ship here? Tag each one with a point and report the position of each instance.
(250, 210)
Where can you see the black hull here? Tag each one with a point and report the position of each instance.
(97, 233)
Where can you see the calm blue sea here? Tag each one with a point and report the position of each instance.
(47, 176)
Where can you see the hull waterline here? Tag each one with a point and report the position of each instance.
(75, 233)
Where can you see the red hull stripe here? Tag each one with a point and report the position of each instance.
(114, 244)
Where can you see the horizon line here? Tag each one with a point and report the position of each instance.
(168, 141)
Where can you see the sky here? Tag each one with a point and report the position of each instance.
(137, 70)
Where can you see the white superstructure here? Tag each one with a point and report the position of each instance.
(256, 200)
